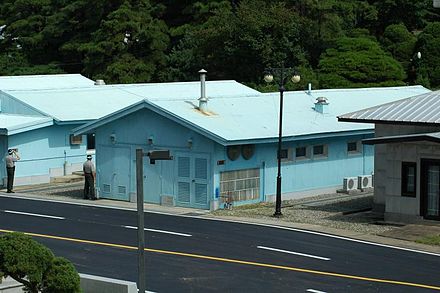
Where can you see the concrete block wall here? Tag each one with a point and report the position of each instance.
(96, 284)
(388, 162)
(89, 284)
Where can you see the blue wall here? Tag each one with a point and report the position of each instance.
(134, 130)
(306, 174)
(46, 148)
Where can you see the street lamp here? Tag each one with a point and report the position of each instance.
(280, 75)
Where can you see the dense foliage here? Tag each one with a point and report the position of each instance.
(35, 266)
(334, 43)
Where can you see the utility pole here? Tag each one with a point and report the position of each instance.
(154, 156)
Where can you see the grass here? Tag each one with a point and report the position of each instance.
(431, 240)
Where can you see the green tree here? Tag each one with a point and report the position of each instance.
(428, 44)
(359, 62)
(401, 44)
(413, 13)
(240, 42)
(24, 47)
(35, 266)
(61, 277)
(129, 45)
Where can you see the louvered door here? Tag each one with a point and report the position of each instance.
(183, 180)
(192, 180)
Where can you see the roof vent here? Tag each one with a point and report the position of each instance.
(321, 105)
(99, 82)
(309, 90)
(203, 100)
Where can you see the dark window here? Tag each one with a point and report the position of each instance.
(284, 154)
(91, 141)
(352, 147)
(409, 173)
(318, 150)
(301, 152)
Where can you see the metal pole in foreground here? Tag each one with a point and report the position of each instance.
(280, 136)
(140, 212)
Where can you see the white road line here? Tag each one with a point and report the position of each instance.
(160, 231)
(292, 252)
(34, 215)
(92, 204)
(314, 291)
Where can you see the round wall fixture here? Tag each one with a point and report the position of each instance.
(233, 152)
(247, 151)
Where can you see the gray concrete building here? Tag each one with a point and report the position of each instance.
(406, 156)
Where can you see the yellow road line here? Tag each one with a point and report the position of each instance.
(236, 261)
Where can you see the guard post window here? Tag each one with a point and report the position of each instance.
(284, 154)
(320, 151)
(354, 147)
(409, 170)
(301, 153)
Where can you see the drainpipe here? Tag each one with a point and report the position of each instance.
(65, 164)
(203, 100)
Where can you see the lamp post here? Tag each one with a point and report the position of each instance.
(280, 75)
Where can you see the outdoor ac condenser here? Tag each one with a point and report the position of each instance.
(365, 181)
(350, 183)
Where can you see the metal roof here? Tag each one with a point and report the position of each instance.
(92, 102)
(247, 118)
(419, 109)
(431, 136)
(13, 124)
(38, 82)
(185, 90)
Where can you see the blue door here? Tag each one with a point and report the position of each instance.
(114, 169)
(192, 173)
(152, 181)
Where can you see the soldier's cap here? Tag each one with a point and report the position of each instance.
(10, 151)
(89, 157)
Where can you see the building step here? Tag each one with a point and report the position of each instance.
(67, 179)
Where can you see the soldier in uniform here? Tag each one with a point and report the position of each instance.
(89, 176)
(10, 160)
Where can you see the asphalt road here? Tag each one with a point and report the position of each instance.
(185, 254)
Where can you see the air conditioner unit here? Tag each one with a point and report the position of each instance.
(350, 183)
(365, 181)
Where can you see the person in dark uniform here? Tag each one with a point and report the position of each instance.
(10, 160)
(89, 176)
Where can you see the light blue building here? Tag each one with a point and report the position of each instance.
(37, 114)
(29, 125)
(226, 147)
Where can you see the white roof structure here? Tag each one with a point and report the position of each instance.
(90, 102)
(235, 119)
(12, 124)
(38, 82)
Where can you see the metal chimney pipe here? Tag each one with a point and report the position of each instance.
(203, 100)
